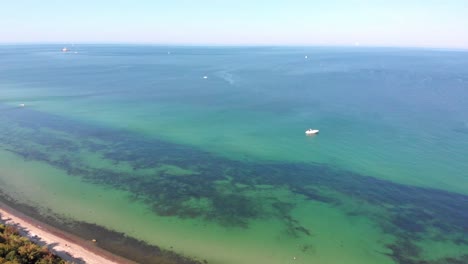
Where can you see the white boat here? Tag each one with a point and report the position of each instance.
(311, 131)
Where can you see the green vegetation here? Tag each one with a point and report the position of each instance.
(15, 249)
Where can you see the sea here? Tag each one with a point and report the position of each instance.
(186, 154)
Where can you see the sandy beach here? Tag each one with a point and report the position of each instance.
(68, 249)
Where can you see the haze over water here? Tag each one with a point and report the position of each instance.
(135, 139)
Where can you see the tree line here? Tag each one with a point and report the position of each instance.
(15, 249)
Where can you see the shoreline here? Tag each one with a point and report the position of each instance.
(67, 246)
(111, 246)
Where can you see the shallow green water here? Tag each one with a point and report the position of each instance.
(220, 169)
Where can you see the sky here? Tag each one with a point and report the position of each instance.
(406, 23)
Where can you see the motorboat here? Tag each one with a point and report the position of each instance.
(311, 131)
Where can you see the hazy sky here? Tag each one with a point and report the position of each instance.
(426, 23)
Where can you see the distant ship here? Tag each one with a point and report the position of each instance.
(64, 50)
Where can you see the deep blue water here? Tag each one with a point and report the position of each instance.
(393, 122)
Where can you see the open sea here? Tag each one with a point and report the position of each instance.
(198, 154)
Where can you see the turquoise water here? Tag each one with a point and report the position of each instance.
(219, 168)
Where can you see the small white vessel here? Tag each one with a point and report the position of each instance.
(22, 105)
(311, 131)
(64, 50)
(205, 77)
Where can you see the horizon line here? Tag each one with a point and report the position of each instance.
(449, 48)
